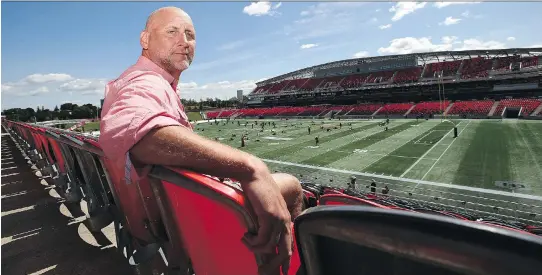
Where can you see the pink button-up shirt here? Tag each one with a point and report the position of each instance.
(143, 98)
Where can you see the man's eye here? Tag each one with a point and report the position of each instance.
(172, 31)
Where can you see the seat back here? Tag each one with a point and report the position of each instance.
(205, 211)
(342, 199)
(385, 241)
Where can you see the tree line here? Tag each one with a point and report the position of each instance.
(74, 111)
(66, 111)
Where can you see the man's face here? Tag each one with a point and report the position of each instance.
(172, 40)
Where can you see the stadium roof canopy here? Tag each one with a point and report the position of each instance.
(424, 57)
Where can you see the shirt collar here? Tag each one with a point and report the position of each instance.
(147, 63)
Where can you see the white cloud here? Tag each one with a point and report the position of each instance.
(510, 38)
(383, 27)
(308, 46)
(361, 54)
(450, 40)
(44, 78)
(403, 8)
(450, 21)
(475, 44)
(261, 8)
(408, 45)
(377, 10)
(441, 5)
(328, 19)
(465, 14)
(38, 91)
(84, 86)
(222, 89)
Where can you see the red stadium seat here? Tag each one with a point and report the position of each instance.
(205, 211)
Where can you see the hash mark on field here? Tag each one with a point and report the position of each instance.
(445, 151)
(427, 152)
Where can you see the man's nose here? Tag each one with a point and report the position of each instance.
(183, 40)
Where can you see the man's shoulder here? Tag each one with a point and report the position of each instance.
(139, 75)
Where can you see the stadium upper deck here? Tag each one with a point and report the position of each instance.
(404, 70)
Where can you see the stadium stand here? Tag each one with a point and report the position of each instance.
(528, 105)
(395, 109)
(408, 75)
(433, 107)
(473, 107)
(476, 68)
(364, 109)
(448, 68)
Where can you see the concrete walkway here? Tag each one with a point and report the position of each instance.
(41, 234)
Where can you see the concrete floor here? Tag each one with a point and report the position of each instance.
(41, 234)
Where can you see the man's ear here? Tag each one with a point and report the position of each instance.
(144, 40)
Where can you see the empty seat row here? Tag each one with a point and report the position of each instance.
(474, 107)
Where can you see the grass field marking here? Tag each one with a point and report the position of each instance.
(445, 150)
(530, 149)
(427, 152)
(385, 155)
(430, 183)
(376, 154)
(352, 138)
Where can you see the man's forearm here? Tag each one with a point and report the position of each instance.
(178, 146)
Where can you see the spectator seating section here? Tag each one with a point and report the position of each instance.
(408, 75)
(474, 107)
(528, 105)
(364, 109)
(380, 77)
(432, 107)
(395, 109)
(448, 68)
(477, 67)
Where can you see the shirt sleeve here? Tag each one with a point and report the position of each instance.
(138, 108)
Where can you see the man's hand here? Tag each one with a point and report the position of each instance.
(273, 219)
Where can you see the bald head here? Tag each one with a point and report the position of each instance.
(162, 13)
(169, 39)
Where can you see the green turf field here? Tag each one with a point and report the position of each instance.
(417, 159)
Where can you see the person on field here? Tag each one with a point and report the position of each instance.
(144, 123)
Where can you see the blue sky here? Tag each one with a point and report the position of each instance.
(55, 52)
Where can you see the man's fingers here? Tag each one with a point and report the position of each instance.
(265, 232)
(285, 248)
(272, 242)
(272, 266)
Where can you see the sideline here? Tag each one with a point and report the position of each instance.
(446, 185)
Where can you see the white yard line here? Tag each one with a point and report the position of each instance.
(445, 150)
(377, 159)
(438, 184)
(428, 151)
(384, 155)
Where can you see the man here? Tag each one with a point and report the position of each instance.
(144, 123)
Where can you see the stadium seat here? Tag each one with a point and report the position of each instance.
(395, 109)
(385, 241)
(432, 107)
(471, 108)
(206, 211)
(476, 68)
(364, 109)
(342, 199)
(528, 105)
(409, 75)
(448, 69)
